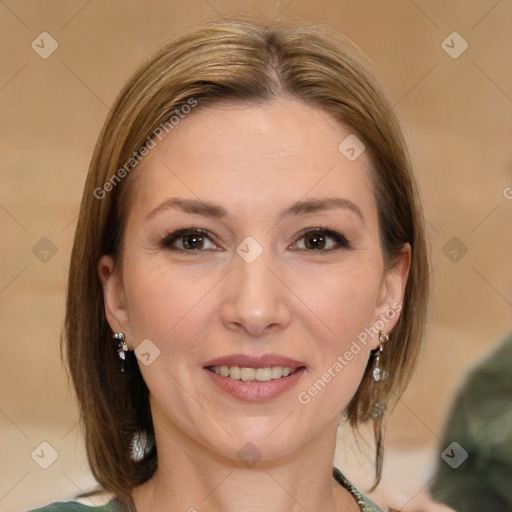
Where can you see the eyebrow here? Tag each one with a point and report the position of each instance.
(208, 209)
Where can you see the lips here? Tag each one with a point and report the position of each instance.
(264, 361)
(254, 390)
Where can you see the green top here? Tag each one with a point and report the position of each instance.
(365, 503)
(475, 476)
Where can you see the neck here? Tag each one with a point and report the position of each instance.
(193, 478)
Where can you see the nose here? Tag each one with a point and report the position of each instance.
(256, 298)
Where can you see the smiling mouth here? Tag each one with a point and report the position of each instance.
(253, 374)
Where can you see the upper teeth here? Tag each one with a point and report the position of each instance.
(248, 374)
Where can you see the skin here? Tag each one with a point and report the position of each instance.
(391, 496)
(295, 301)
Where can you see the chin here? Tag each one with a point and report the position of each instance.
(256, 443)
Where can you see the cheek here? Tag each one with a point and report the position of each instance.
(345, 302)
(334, 305)
(343, 299)
(163, 301)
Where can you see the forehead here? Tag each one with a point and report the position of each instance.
(250, 157)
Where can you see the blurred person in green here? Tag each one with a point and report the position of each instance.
(475, 469)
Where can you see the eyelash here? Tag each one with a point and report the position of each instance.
(340, 240)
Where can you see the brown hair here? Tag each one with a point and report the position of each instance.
(224, 62)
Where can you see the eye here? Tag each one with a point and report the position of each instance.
(189, 239)
(322, 240)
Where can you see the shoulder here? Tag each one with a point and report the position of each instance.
(365, 503)
(486, 389)
(497, 362)
(74, 506)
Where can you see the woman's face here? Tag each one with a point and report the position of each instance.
(252, 242)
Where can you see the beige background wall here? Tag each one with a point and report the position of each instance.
(458, 116)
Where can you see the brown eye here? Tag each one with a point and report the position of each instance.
(315, 241)
(188, 240)
(192, 241)
(321, 240)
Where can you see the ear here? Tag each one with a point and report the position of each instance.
(391, 294)
(114, 297)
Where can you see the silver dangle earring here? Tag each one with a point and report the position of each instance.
(121, 350)
(379, 374)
